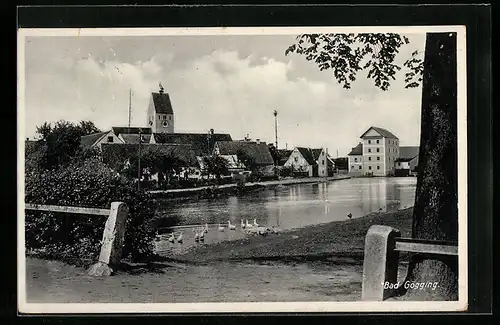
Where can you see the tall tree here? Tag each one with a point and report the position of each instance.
(435, 213)
(216, 165)
(62, 141)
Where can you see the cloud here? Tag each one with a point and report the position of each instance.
(224, 90)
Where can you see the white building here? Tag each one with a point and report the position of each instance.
(376, 154)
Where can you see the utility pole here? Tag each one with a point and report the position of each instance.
(276, 139)
(139, 163)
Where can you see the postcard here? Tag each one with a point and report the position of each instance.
(242, 170)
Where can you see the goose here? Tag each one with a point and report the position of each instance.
(242, 224)
(196, 235)
(221, 228)
(255, 224)
(230, 226)
(179, 239)
(247, 225)
(206, 228)
(171, 238)
(349, 216)
(202, 235)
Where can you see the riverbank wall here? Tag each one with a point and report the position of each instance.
(229, 189)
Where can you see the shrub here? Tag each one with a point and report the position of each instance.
(88, 183)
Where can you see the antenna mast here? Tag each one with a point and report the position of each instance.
(129, 106)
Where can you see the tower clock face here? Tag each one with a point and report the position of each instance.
(165, 124)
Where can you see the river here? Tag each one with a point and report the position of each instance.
(289, 207)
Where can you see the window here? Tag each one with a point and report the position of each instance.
(378, 158)
(378, 167)
(369, 150)
(378, 149)
(110, 139)
(369, 141)
(170, 117)
(322, 162)
(370, 167)
(378, 141)
(370, 158)
(399, 164)
(296, 159)
(352, 167)
(355, 159)
(359, 167)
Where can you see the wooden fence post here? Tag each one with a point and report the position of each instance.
(380, 267)
(112, 240)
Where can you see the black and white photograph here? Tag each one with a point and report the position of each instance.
(242, 169)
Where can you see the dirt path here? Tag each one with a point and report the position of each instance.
(55, 282)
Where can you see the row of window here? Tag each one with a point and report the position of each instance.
(369, 158)
(369, 167)
(164, 117)
(390, 142)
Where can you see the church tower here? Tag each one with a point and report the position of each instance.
(160, 112)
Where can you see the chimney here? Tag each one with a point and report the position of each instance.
(286, 146)
(211, 131)
(257, 140)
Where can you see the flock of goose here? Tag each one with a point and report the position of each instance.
(249, 228)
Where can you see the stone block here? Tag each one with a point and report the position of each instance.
(380, 266)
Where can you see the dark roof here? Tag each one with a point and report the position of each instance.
(88, 140)
(162, 104)
(316, 153)
(117, 130)
(408, 152)
(283, 156)
(134, 138)
(357, 150)
(115, 154)
(308, 154)
(381, 131)
(258, 151)
(201, 143)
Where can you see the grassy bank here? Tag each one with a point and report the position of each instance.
(339, 242)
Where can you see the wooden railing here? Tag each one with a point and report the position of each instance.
(113, 235)
(381, 259)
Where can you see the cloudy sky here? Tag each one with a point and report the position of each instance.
(230, 83)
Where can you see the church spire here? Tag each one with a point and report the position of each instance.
(161, 88)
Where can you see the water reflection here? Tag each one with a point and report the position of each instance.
(300, 205)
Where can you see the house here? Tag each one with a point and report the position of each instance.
(379, 150)
(310, 162)
(95, 140)
(258, 152)
(117, 156)
(355, 160)
(202, 144)
(233, 165)
(131, 134)
(407, 162)
(283, 155)
(160, 112)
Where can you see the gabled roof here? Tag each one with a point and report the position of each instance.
(162, 104)
(283, 156)
(308, 154)
(408, 152)
(117, 130)
(357, 150)
(258, 151)
(115, 154)
(381, 131)
(316, 153)
(201, 143)
(232, 162)
(134, 138)
(88, 141)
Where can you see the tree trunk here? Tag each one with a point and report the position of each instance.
(435, 214)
